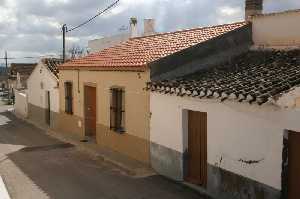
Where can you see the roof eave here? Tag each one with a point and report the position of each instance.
(140, 68)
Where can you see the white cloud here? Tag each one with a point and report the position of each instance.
(226, 14)
(32, 27)
(7, 15)
(56, 2)
(230, 11)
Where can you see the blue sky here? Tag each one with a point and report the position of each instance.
(32, 27)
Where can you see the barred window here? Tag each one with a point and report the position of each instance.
(68, 97)
(117, 110)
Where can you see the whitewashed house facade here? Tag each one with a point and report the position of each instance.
(43, 94)
(231, 126)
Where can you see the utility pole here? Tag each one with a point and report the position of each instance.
(6, 66)
(64, 30)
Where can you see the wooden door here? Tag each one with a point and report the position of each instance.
(294, 165)
(90, 110)
(197, 148)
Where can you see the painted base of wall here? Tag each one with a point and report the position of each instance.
(221, 184)
(132, 146)
(69, 124)
(166, 161)
(38, 115)
(224, 184)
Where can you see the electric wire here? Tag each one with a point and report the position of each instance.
(91, 19)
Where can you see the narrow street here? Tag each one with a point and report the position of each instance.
(34, 165)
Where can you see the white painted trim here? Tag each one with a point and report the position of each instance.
(3, 191)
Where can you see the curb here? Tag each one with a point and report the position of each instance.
(3, 191)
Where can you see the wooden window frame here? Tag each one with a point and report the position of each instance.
(117, 109)
(68, 97)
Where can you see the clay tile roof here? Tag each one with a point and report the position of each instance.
(52, 64)
(137, 52)
(257, 76)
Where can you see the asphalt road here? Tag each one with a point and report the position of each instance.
(36, 166)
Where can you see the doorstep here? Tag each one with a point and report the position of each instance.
(132, 167)
(198, 189)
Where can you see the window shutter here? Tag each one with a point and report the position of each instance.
(68, 97)
(113, 109)
(117, 110)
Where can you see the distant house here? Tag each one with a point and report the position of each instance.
(230, 123)
(103, 94)
(3, 77)
(96, 45)
(19, 73)
(43, 93)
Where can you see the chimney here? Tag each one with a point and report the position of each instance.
(149, 27)
(133, 27)
(253, 7)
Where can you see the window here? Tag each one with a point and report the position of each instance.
(117, 111)
(68, 97)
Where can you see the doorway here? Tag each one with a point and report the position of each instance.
(293, 165)
(48, 109)
(196, 163)
(90, 110)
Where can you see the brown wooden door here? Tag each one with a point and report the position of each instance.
(197, 148)
(294, 166)
(90, 110)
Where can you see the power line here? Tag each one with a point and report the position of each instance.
(91, 19)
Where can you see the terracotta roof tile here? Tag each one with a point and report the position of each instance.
(137, 52)
(52, 64)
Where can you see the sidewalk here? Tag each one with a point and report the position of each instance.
(3, 191)
(130, 166)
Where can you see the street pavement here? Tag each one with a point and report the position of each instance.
(34, 165)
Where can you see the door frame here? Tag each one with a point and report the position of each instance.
(48, 108)
(185, 125)
(285, 163)
(94, 85)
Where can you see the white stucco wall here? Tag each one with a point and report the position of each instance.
(21, 104)
(37, 94)
(235, 131)
(277, 30)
